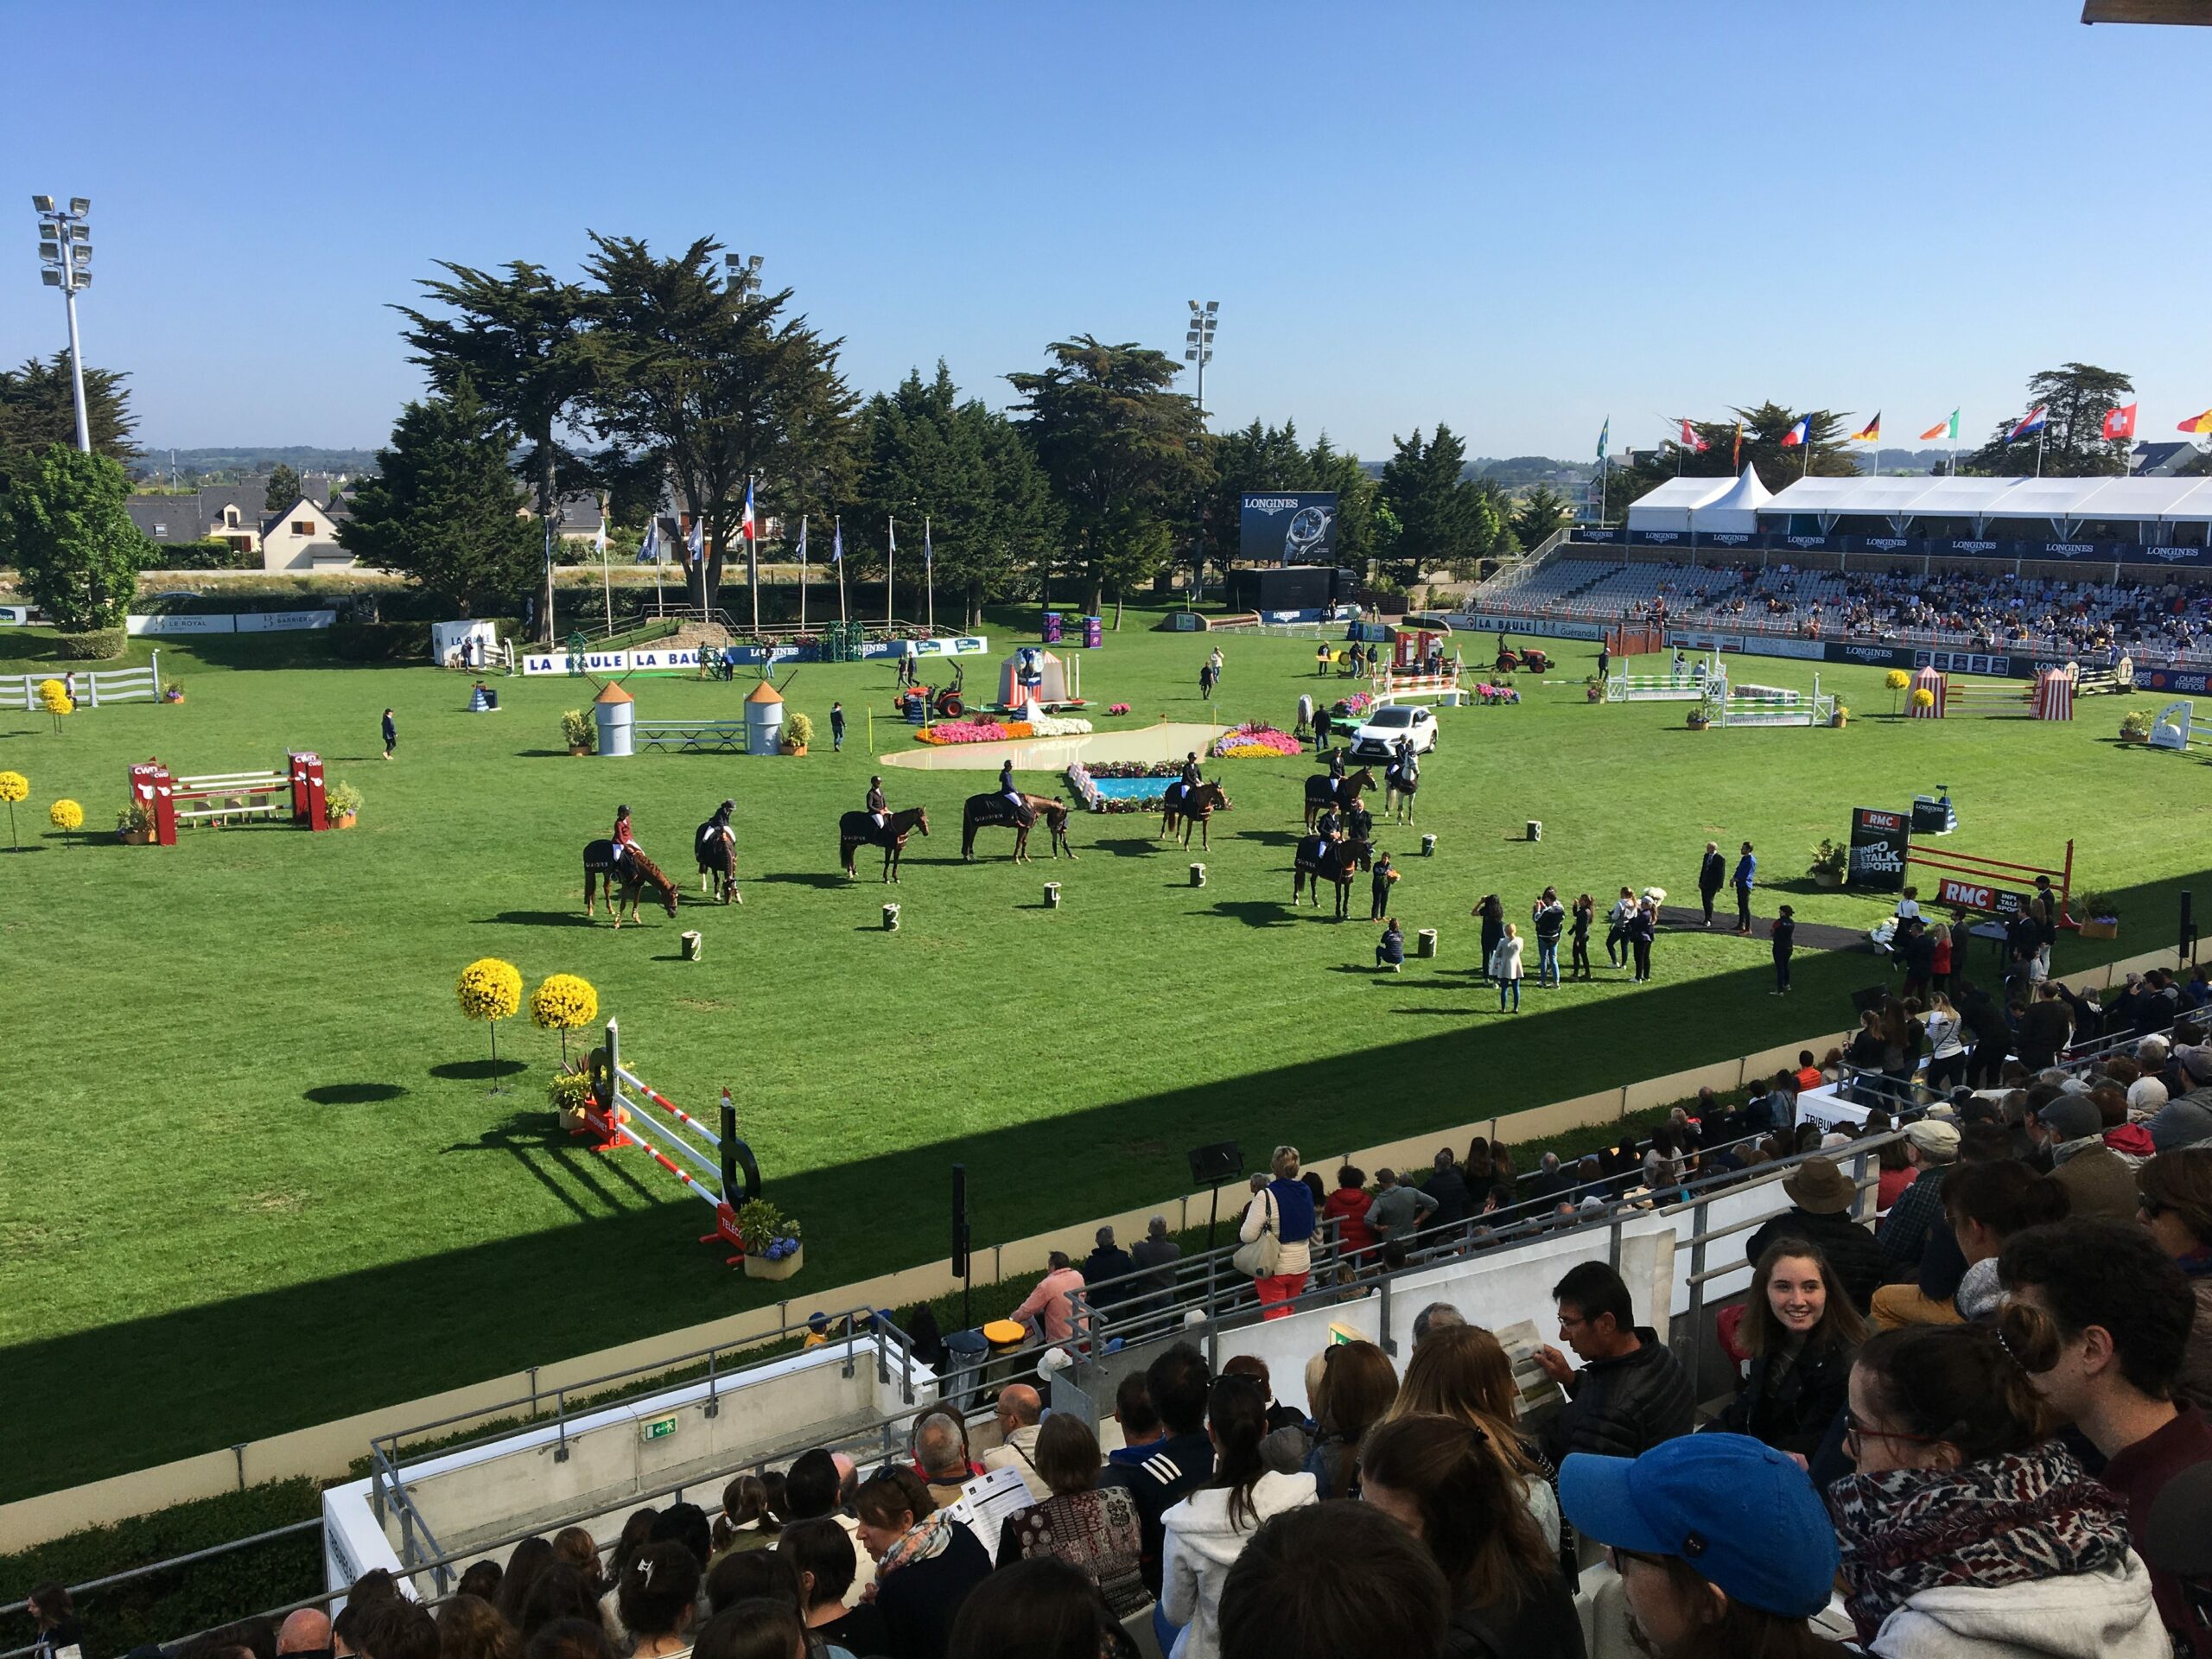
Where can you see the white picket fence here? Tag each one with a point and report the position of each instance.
(19, 692)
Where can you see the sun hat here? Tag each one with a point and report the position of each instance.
(1937, 1141)
(1818, 1185)
(1740, 1513)
(2145, 1095)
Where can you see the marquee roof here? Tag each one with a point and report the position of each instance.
(2183, 500)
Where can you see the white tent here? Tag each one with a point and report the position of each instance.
(1669, 506)
(1736, 508)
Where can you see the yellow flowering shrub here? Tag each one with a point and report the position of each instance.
(563, 1002)
(13, 786)
(67, 816)
(1923, 698)
(1896, 679)
(489, 988)
(54, 697)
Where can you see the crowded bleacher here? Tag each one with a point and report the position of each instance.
(2159, 619)
(1963, 1412)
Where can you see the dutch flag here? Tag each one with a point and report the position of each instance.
(2029, 427)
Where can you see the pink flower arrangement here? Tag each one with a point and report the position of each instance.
(1256, 740)
(973, 731)
(1118, 708)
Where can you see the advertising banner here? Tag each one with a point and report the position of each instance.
(1596, 533)
(653, 659)
(1879, 840)
(1277, 527)
(1542, 626)
(1970, 661)
(1869, 656)
(2165, 555)
(181, 624)
(1657, 537)
(284, 622)
(15, 616)
(2004, 903)
(2189, 683)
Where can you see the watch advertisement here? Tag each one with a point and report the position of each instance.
(1288, 527)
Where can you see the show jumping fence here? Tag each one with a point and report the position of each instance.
(1768, 705)
(221, 798)
(1993, 886)
(610, 1115)
(2178, 728)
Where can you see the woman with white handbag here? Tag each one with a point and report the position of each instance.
(1277, 1236)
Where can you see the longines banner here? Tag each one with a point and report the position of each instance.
(1288, 527)
(1879, 840)
(686, 660)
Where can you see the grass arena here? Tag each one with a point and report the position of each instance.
(256, 1171)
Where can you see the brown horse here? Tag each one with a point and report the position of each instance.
(994, 811)
(1318, 793)
(1318, 860)
(857, 830)
(717, 857)
(639, 873)
(1189, 806)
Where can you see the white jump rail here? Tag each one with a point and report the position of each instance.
(1769, 705)
(2178, 728)
(727, 735)
(19, 692)
(235, 795)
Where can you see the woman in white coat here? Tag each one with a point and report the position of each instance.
(1505, 967)
(1207, 1531)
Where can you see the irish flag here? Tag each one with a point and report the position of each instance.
(1945, 429)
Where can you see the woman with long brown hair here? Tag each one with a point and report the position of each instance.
(1443, 1481)
(1802, 1334)
(1358, 1383)
(1461, 1372)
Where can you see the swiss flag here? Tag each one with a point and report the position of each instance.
(2119, 422)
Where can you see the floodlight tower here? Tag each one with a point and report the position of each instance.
(1197, 343)
(65, 257)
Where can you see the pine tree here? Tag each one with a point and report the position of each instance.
(283, 489)
(443, 508)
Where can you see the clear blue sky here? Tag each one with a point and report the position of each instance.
(1517, 219)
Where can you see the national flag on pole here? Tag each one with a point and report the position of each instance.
(890, 538)
(1735, 455)
(1870, 433)
(2196, 422)
(695, 542)
(1798, 434)
(746, 526)
(1946, 430)
(802, 540)
(929, 554)
(1691, 441)
(2029, 427)
(1605, 436)
(838, 544)
(2119, 422)
(648, 549)
(598, 542)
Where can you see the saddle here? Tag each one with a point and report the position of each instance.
(1002, 813)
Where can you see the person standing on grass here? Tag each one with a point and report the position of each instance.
(1605, 661)
(1505, 967)
(1711, 876)
(1784, 933)
(1206, 680)
(1585, 912)
(391, 735)
(836, 726)
(1548, 919)
(1321, 660)
(1491, 911)
(1217, 662)
(1747, 870)
(1641, 928)
(1321, 726)
(1617, 921)
(1378, 887)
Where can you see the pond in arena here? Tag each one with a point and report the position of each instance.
(1130, 789)
(1168, 740)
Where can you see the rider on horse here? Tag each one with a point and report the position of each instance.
(625, 842)
(1336, 770)
(877, 807)
(1406, 769)
(1328, 825)
(715, 829)
(1190, 778)
(1010, 792)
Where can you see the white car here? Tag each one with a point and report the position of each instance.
(1377, 740)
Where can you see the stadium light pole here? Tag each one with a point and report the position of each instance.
(65, 257)
(1198, 348)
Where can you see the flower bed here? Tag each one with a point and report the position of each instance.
(999, 731)
(1136, 769)
(1256, 740)
(1355, 704)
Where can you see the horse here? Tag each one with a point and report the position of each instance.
(1192, 806)
(1398, 795)
(857, 830)
(717, 857)
(1320, 860)
(639, 873)
(1319, 793)
(994, 811)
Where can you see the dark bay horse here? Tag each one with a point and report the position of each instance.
(1319, 793)
(717, 856)
(1320, 860)
(638, 873)
(994, 811)
(857, 830)
(1188, 806)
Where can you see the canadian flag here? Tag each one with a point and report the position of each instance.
(2119, 422)
(1691, 441)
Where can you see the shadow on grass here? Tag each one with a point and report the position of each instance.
(476, 1071)
(1132, 846)
(353, 1094)
(1271, 837)
(497, 1307)
(815, 878)
(539, 918)
(1253, 912)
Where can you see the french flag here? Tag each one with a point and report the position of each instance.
(1798, 434)
(747, 526)
(2030, 426)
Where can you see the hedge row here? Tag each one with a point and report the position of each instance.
(165, 1606)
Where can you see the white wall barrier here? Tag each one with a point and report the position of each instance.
(230, 622)
(19, 692)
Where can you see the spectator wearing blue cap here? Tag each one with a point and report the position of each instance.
(1721, 1545)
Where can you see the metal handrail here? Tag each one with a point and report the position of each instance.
(2073, 1058)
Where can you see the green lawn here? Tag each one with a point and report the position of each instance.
(254, 1173)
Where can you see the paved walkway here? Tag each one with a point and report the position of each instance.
(1811, 935)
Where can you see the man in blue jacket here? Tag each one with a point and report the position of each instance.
(1747, 870)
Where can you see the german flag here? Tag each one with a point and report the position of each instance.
(1870, 433)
